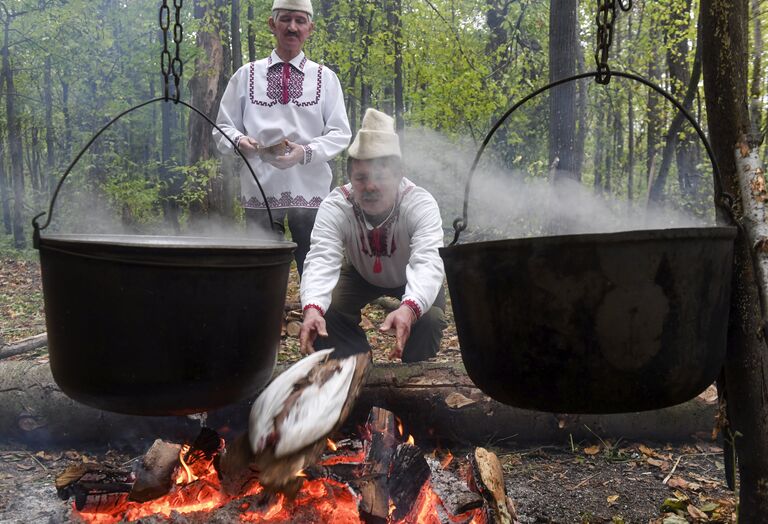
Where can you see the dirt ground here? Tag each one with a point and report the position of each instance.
(591, 481)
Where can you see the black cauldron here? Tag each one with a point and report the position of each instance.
(153, 325)
(596, 323)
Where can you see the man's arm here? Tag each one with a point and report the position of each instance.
(230, 116)
(336, 132)
(425, 272)
(321, 270)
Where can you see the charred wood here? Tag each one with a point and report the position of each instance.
(488, 478)
(154, 473)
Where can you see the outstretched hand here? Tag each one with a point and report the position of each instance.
(399, 321)
(312, 326)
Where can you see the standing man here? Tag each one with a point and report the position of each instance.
(286, 114)
(389, 231)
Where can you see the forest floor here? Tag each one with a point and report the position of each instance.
(590, 481)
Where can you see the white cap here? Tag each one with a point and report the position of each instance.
(294, 5)
(376, 138)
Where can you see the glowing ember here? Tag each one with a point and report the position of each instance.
(331, 444)
(410, 440)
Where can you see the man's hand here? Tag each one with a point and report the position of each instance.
(248, 145)
(294, 156)
(399, 321)
(313, 325)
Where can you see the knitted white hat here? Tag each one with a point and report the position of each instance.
(294, 5)
(376, 138)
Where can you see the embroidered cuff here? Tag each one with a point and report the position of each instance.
(307, 155)
(413, 305)
(237, 144)
(313, 306)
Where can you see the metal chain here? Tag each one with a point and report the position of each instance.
(178, 36)
(165, 55)
(606, 15)
(170, 66)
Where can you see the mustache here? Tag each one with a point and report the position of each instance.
(370, 196)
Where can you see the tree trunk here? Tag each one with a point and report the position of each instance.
(724, 46)
(237, 46)
(206, 88)
(50, 138)
(66, 116)
(562, 99)
(14, 145)
(251, 33)
(5, 196)
(755, 104)
(653, 118)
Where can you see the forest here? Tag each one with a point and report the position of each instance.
(447, 69)
(638, 149)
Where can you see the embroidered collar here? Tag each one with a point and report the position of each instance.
(298, 61)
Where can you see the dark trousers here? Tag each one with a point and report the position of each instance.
(342, 319)
(300, 222)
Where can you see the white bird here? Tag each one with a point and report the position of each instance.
(291, 418)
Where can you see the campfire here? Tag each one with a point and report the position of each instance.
(382, 476)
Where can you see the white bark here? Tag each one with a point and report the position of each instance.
(754, 196)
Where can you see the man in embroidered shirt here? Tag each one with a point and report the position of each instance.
(290, 100)
(389, 231)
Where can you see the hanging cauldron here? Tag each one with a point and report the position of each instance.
(154, 325)
(594, 323)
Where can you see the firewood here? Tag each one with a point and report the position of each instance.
(409, 473)
(154, 473)
(379, 450)
(95, 487)
(488, 478)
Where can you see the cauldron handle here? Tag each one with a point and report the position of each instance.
(460, 224)
(37, 227)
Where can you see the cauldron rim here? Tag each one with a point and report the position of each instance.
(635, 235)
(168, 241)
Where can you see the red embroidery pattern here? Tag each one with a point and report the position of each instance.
(286, 200)
(314, 306)
(284, 84)
(413, 305)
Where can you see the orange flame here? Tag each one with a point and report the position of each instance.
(447, 459)
(331, 444)
(410, 441)
(185, 475)
(400, 427)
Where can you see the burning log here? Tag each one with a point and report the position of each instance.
(154, 474)
(373, 486)
(488, 478)
(95, 487)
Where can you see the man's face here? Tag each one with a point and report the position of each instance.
(374, 186)
(291, 29)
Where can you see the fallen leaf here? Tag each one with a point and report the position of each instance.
(674, 519)
(366, 323)
(456, 400)
(25, 467)
(677, 482)
(696, 513)
(709, 507)
(612, 499)
(661, 464)
(592, 450)
(645, 450)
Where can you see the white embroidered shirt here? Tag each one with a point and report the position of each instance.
(271, 100)
(403, 250)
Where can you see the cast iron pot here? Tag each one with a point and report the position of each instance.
(152, 325)
(597, 323)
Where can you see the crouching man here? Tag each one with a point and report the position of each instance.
(376, 236)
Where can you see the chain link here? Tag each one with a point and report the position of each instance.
(606, 15)
(170, 65)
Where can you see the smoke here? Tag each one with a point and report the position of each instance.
(514, 204)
